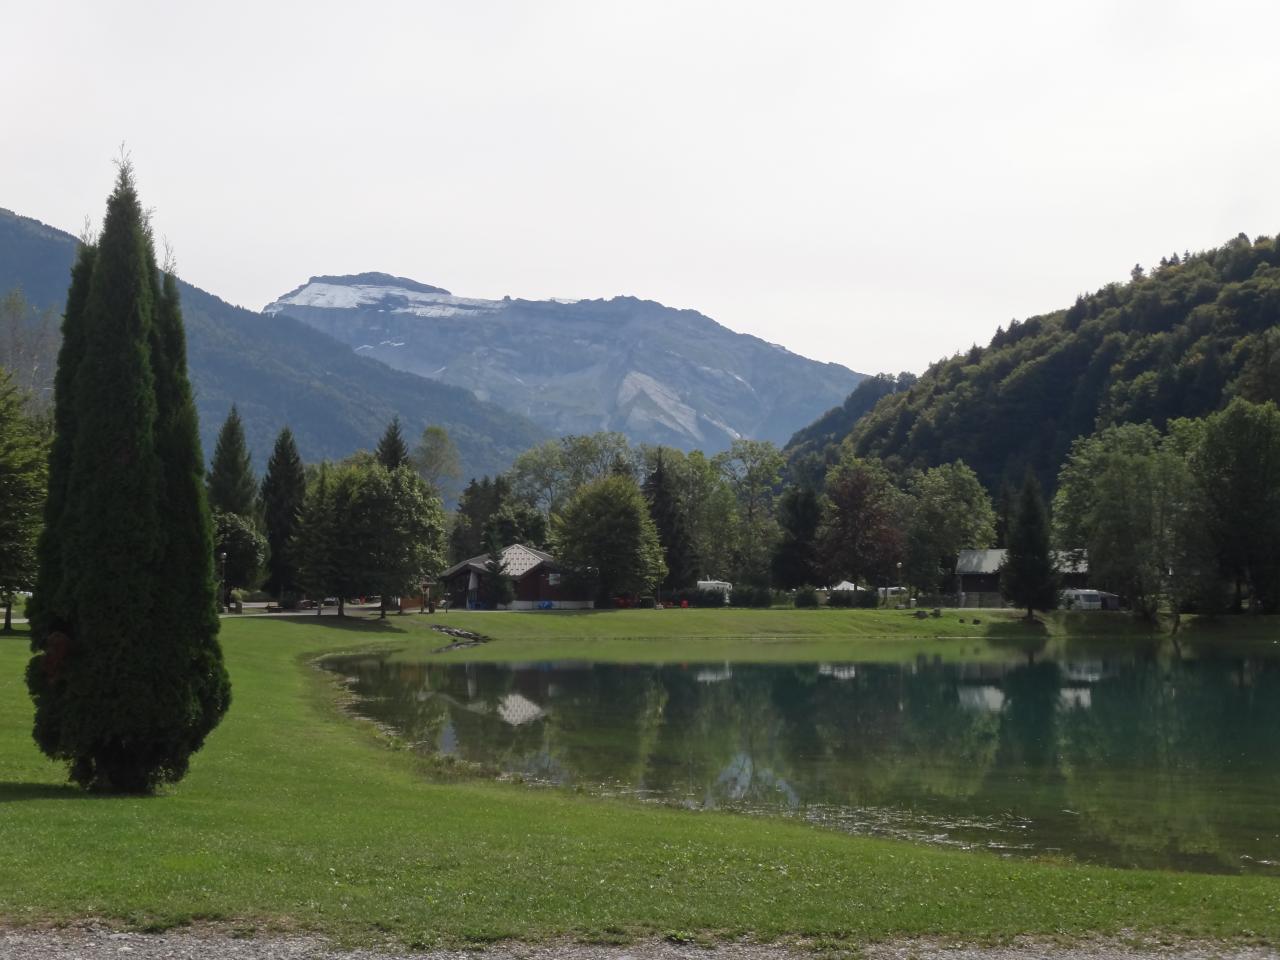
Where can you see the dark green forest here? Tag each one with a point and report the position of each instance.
(1178, 340)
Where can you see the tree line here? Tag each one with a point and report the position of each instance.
(369, 525)
(628, 520)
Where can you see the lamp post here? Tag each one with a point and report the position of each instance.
(899, 583)
(222, 581)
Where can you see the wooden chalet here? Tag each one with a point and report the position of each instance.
(534, 574)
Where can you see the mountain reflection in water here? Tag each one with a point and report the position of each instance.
(1131, 762)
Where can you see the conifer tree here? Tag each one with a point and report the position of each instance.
(47, 610)
(127, 676)
(668, 518)
(1028, 578)
(392, 452)
(184, 587)
(232, 488)
(284, 488)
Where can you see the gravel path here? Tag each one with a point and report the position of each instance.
(97, 943)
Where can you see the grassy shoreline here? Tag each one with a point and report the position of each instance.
(674, 636)
(295, 817)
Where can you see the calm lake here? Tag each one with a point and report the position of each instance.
(1133, 761)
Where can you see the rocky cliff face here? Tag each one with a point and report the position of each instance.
(657, 374)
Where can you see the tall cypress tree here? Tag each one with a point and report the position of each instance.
(284, 487)
(127, 676)
(392, 452)
(232, 488)
(185, 608)
(1028, 577)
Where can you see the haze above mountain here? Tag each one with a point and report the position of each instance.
(657, 374)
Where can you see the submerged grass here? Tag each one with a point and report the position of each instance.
(296, 817)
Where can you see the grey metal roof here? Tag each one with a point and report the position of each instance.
(518, 559)
(988, 561)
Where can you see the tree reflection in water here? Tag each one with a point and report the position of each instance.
(1133, 761)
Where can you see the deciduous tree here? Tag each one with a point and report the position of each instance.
(22, 487)
(606, 537)
(795, 560)
(950, 512)
(437, 461)
(240, 550)
(861, 536)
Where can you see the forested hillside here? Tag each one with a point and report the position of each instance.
(812, 449)
(1178, 341)
(278, 371)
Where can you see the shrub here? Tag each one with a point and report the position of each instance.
(695, 598)
(751, 597)
(862, 599)
(806, 597)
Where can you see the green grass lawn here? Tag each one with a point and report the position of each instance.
(657, 636)
(296, 817)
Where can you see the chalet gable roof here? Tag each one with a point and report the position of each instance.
(518, 559)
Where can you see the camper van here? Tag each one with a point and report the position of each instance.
(716, 586)
(1088, 600)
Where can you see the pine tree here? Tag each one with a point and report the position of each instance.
(392, 452)
(232, 488)
(1027, 577)
(673, 532)
(284, 488)
(127, 676)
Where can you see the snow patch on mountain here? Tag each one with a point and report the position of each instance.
(391, 299)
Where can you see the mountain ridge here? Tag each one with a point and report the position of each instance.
(656, 373)
(279, 371)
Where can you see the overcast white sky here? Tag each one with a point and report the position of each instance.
(878, 184)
